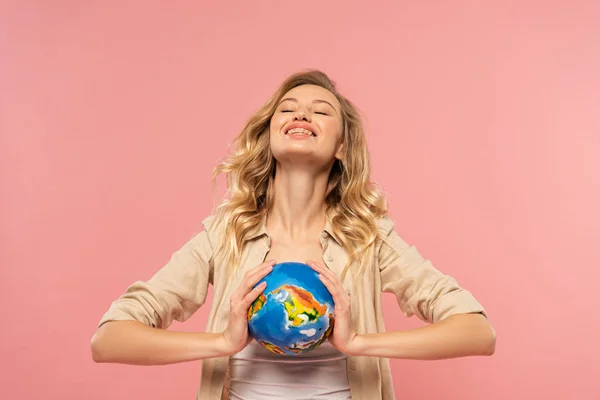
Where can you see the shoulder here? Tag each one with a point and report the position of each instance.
(207, 232)
(208, 223)
(385, 225)
(211, 226)
(390, 243)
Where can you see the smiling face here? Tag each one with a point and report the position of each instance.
(307, 127)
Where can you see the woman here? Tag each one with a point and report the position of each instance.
(298, 190)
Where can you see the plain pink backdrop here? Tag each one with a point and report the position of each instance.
(483, 125)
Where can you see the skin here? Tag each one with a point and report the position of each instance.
(459, 335)
(132, 342)
(294, 223)
(298, 215)
(302, 170)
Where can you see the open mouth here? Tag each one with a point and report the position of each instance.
(300, 132)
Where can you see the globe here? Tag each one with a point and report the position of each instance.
(294, 314)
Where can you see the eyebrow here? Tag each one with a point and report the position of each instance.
(314, 101)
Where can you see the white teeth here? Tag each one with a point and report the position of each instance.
(300, 131)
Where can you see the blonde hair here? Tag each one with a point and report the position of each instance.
(353, 203)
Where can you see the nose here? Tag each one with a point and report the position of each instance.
(301, 115)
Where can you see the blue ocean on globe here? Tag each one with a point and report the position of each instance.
(294, 314)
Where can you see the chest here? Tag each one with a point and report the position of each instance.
(295, 251)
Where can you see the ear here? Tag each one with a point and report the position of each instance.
(340, 151)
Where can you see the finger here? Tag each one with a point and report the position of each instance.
(254, 293)
(261, 268)
(314, 265)
(338, 292)
(322, 270)
(264, 265)
(332, 278)
(261, 272)
(255, 275)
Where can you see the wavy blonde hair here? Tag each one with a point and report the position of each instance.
(353, 202)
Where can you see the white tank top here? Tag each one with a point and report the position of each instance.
(258, 374)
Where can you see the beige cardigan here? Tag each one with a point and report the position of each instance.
(177, 290)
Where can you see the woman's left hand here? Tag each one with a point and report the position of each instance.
(344, 336)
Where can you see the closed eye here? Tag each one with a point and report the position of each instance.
(321, 112)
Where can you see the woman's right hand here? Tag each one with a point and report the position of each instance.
(236, 336)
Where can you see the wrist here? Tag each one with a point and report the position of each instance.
(222, 346)
(357, 346)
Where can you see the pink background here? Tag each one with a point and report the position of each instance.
(483, 124)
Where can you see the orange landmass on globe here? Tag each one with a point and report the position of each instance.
(272, 348)
(300, 305)
(257, 305)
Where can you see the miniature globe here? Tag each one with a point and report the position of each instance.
(294, 314)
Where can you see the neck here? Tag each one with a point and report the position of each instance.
(298, 211)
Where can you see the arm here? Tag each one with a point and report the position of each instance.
(458, 324)
(133, 330)
(459, 335)
(132, 342)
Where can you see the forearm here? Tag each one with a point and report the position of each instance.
(457, 336)
(131, 342)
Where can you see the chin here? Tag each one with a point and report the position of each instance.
(299, 157)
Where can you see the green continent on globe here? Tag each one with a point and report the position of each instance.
(300, 305)
(308, 346)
